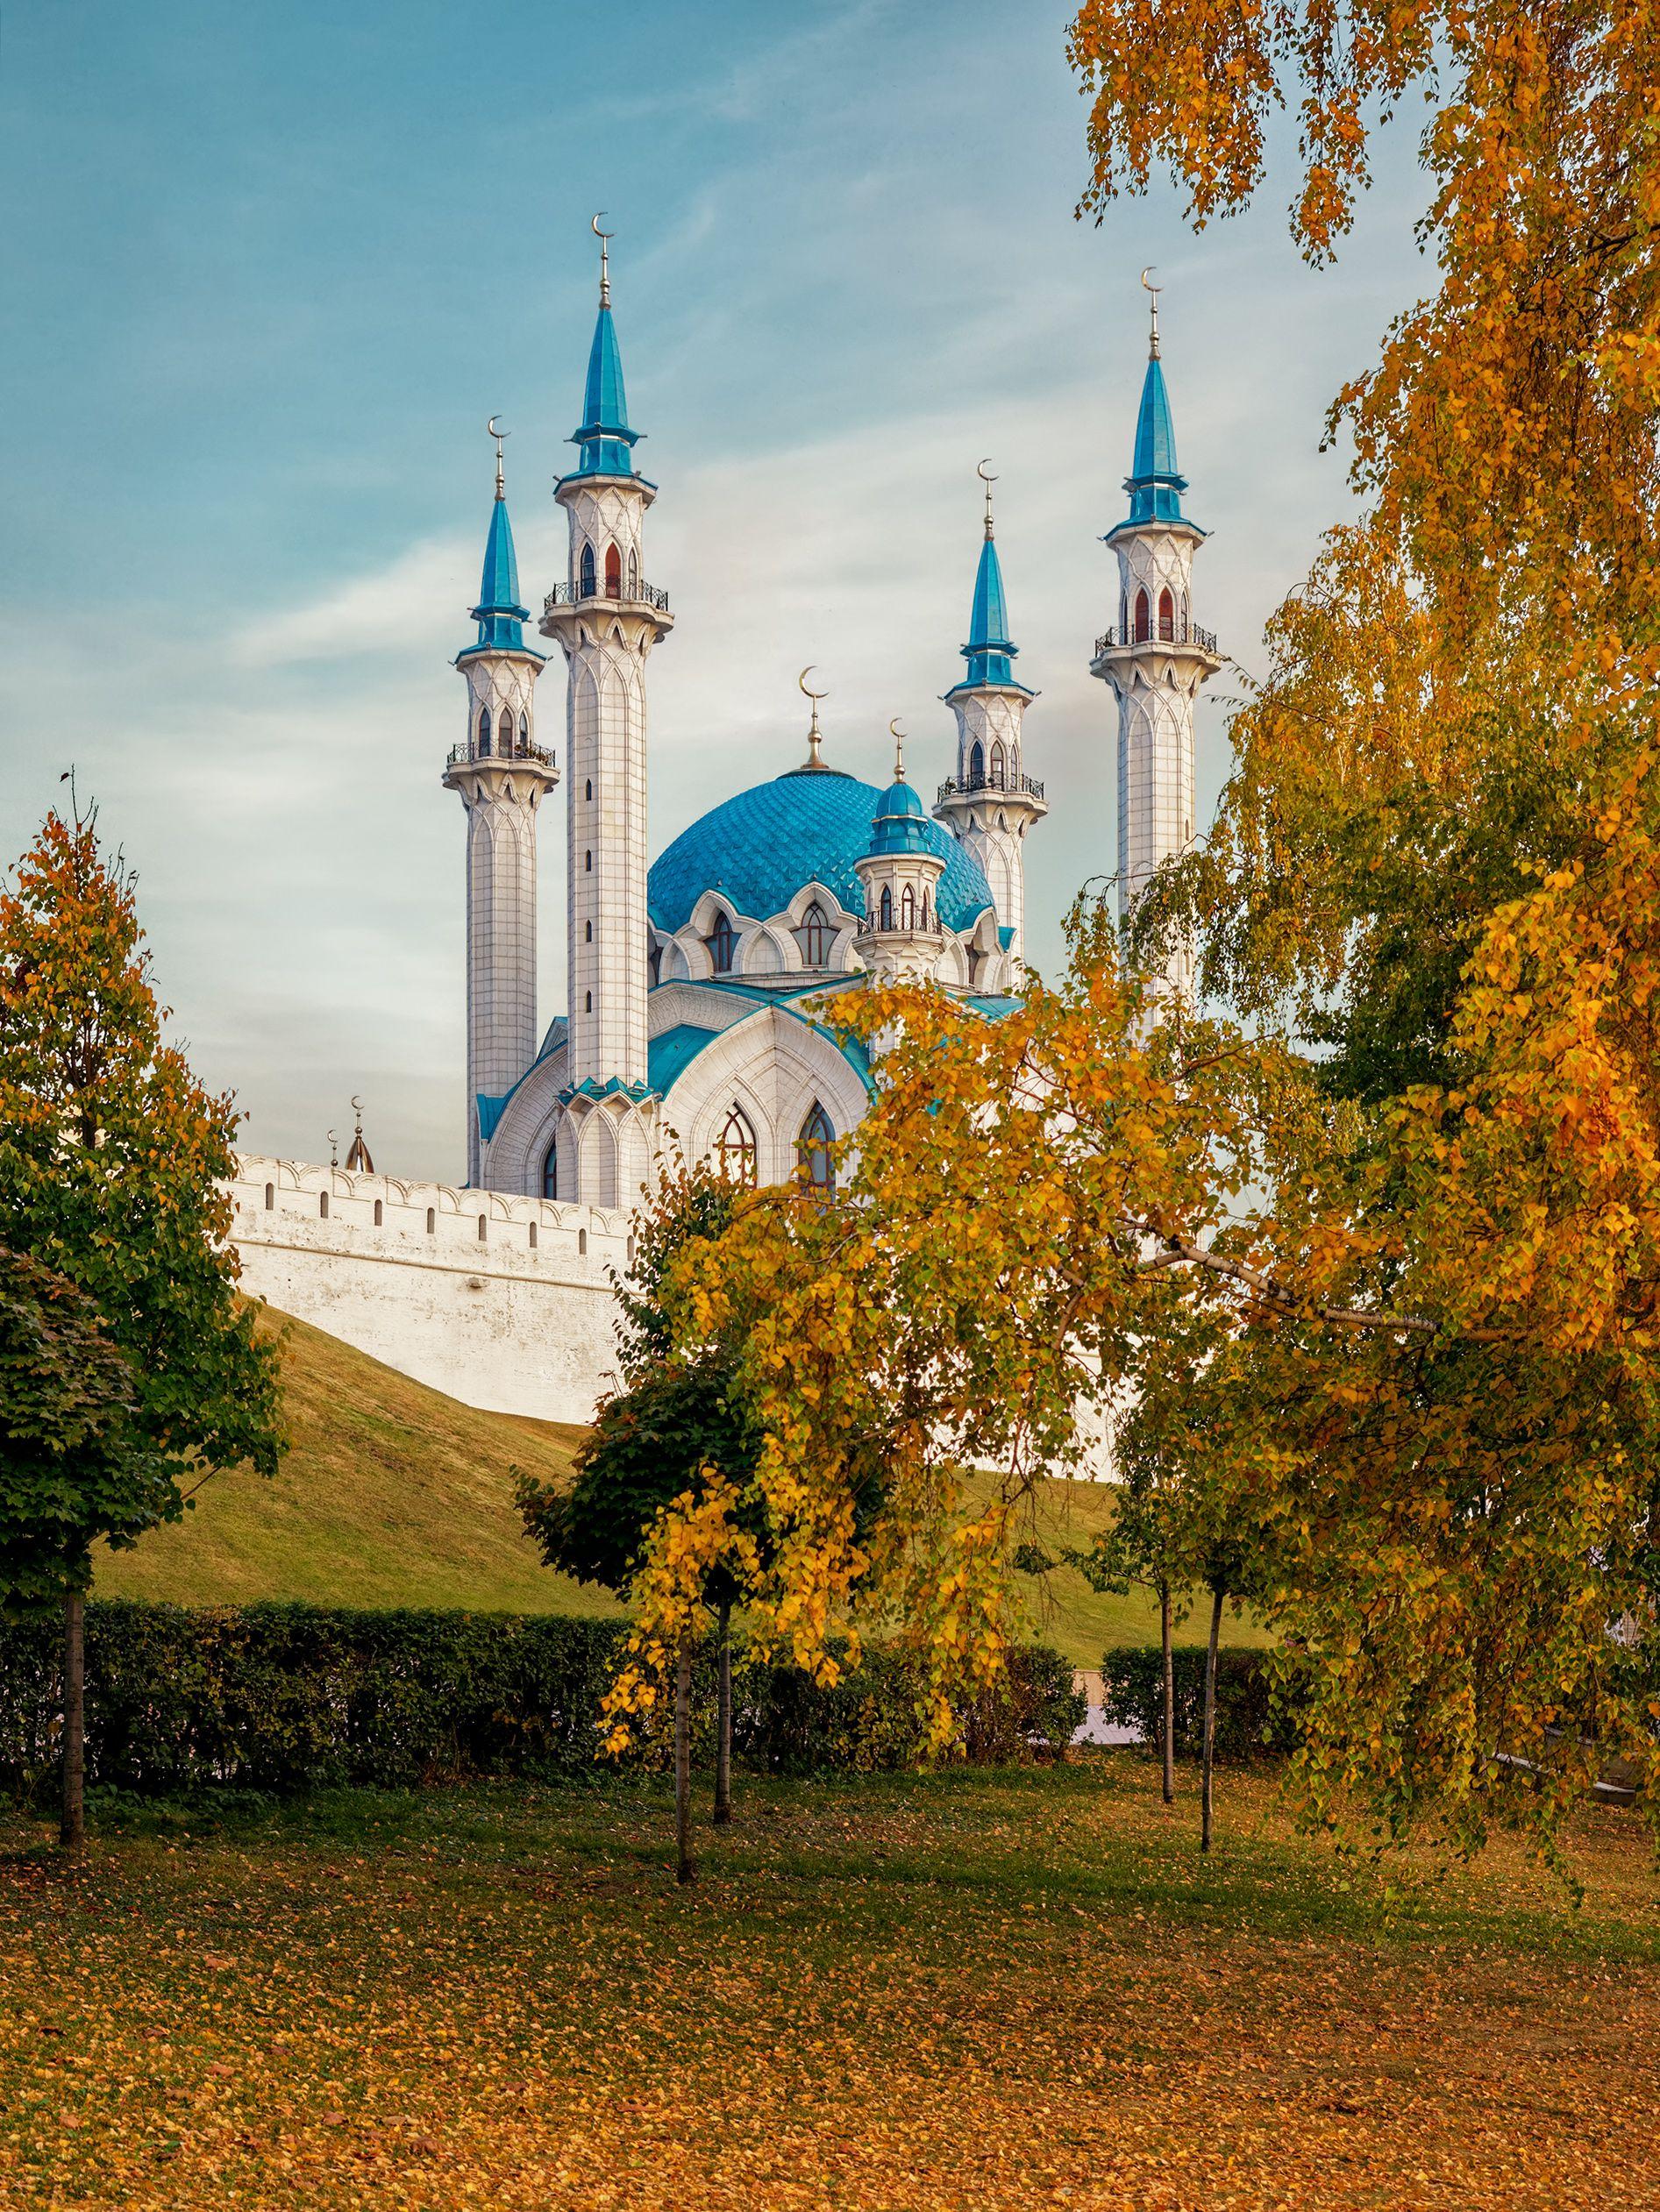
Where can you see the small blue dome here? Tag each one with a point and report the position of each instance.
(900, 824)
(810, 826)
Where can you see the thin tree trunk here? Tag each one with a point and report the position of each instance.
(1165, 1632)
(1210, 1717)
(686, 1869)
(723, 1723)
(71, 1832)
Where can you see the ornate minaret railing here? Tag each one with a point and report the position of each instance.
(606, 619)
(1155, 656)
(502, 775)
(991, 802)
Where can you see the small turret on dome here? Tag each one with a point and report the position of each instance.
(899, 873)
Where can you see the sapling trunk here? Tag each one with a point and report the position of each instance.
(1165, 1627)
(686, 1868)
(1210, 1719)
(72, 1829)
(724, 1722)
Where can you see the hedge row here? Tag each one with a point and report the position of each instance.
(288, 1696)
(1252, 1717)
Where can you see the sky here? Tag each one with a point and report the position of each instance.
(267, 270)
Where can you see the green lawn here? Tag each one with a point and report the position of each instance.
(393, 1494)
(971, 1992)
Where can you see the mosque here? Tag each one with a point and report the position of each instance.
(697, 987)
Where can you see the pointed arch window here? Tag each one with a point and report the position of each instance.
(887, 910)
(735, 1149)
(1166, 615)
(976, 764)
(908, 909)
(587, 572)
(633, 573)
(484, 733)
(816, 937)
(524, 732)
(813, 1153)
(550, 1171)
(613, 573)
(1000, 766)
(720, 941)
(1143, 618)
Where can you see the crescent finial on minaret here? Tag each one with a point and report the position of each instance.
(899, 750)
(987, 482)
(604, 237)
(491, 432)
(1155, 289)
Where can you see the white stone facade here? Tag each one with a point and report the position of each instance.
(502, 1302)
(991, 803)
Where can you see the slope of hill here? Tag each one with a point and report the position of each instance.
(392, 1494)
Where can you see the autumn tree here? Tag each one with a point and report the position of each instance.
(1437, 863)
(113, 1166)
(681, 1427)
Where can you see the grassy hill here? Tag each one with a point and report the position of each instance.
(392, 1494)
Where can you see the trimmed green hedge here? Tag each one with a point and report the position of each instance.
(285, 1697)
(1250, 1722)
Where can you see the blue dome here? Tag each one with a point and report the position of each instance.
(758, 850)
(900, 825)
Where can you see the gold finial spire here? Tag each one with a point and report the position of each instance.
(987, 482)
(604, 237)
(813, 741)
(899, 750)
(491, 432)
(1154, 289)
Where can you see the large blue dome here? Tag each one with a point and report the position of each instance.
(810, 826)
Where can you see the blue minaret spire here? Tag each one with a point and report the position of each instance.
(498, 612)
(603, 435)
(991, 802)
(1155, 485)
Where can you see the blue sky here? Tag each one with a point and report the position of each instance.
(269, 269)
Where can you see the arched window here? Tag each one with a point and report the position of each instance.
(323, 1205)
(484, 733)
(1123, 615)
(588, 933)
(735, 1148)
(633, 573)
(588, 789)
(908, 909)
(719, 942)
(431, 1220)
(887, 908)
(613, 573)
(524, 732)
(484, 1224)
(551, 1172)
(1143, 618)
(581, 1244)
(587, 863)
(532, 1236)
(816, 937)
(270, 1197)
(380, 1214)
(588, 571)
(928, 910)
(1000, 766)
(587, 1002)
(976, 766)
(813, 1153)
(1166, 615)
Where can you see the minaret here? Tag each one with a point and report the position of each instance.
(606, 619)
(502, 775)
(991, 802)
(900, 939)
(1156, 655)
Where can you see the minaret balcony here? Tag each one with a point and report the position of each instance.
(1016, 786)
(625, 596)
(468, 755)
(1170, 633)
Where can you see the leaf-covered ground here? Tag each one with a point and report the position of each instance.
(975, 1992)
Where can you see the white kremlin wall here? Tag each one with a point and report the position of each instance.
(505, 1303)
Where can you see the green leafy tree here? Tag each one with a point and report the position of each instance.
(114, 1161)
(680, 1428)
